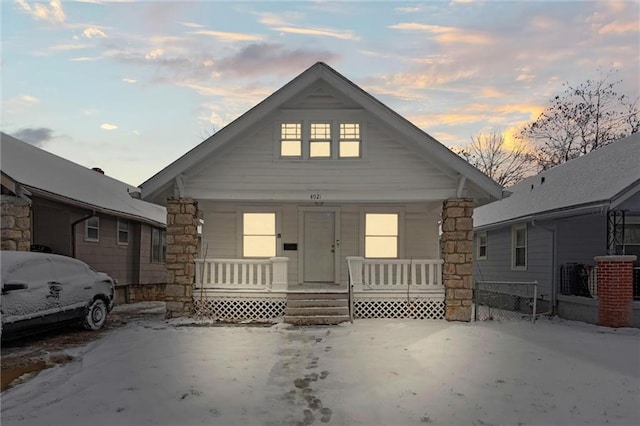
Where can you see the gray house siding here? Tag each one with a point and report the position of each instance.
(581, 238)
(497, 265)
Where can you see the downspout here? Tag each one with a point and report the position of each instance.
(73, 232)
(554, 262)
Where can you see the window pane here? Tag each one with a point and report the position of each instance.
(521, 257)
(320, 131)
(259, 246)
(632, 234)
(349, 149)
(483, 251)
(291, 149)
(259, 224)
(521, 237)
(381, 224)
(290, 131)
(93, 222)
(320, 149)
(386, 247)
(349, 131)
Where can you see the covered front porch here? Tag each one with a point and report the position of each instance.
(258, 289)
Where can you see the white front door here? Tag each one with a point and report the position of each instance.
(320, 246)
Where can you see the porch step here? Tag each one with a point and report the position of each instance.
(316, 319)
(326, 303)
(316, 308)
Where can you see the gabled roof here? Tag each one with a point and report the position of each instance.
(593, 182)
(49, 176)
(321, 71)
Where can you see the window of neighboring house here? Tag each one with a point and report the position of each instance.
(291, 140)
(349, 140)
(92, 229)
(320, 140)
(519, 247)
(258, 234)
(158, 245)
(123, 231)
(631, 243)
(481, 242)
(381, 235)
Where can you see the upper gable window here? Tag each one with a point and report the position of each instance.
(349, 140)
(320, 140)
(291, 140)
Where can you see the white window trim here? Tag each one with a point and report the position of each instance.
(240, 227)
(486, 245)
(514, 230)
(86, 230)
(383, 210)
(120, 243)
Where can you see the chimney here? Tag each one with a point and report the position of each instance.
(98, 169)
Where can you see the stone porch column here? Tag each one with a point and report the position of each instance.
(457, 252)
(16, 223)
(182, 246)
(615, 290)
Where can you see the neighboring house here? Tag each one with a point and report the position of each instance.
(52, 204)
(319, 180)
(553, 225)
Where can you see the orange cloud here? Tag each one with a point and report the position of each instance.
(617, 27)
(228, 36)
(445, 35)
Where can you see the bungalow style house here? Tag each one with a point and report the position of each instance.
(554, 224)
(54, 205)
(317, 187)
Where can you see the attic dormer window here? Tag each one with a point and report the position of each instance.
(318, 139)
(291, 140)
(349, 140)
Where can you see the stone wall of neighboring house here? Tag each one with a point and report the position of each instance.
(16, 223)
(133, 293)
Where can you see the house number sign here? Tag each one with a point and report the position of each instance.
(316, 197)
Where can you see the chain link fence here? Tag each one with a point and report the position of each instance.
(501, 300)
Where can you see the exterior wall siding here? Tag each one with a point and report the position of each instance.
(150, 272)
(250, 168)
(497, 265)
(581, 238)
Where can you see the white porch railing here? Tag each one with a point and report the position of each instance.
(395, 274)
(242, 274)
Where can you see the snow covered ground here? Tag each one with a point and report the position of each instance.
(372, 372)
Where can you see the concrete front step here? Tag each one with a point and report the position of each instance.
(307, 295)
(329, 303)
(316, 319)
(317, 311)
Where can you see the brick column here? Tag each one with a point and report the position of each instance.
(182, 245)
(615, 290)
(16, 223)
(457, 252)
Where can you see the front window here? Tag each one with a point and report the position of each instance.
(349, 140)
(481, 252)
(92, 229)
(291, 140)
(320, 140)
(158, 245)
(381, 235)
(123, 231)
(519, 247)
(259, 234)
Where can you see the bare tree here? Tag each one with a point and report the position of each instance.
(506, 165)
(581, 119)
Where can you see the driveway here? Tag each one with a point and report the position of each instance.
(372, 372)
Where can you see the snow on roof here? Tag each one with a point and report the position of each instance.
(40, 170)
(587, 180)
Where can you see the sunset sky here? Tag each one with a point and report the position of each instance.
(131, 86)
